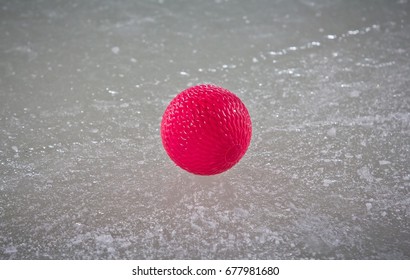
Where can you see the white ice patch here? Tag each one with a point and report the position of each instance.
(115, 50)
(369, 206)
(327, 182)
(365, 174)
(112, 92)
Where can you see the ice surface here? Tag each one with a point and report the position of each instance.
(83, 85)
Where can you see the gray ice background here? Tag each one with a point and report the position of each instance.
(83, 85)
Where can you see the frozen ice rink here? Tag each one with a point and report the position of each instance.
(84, 84)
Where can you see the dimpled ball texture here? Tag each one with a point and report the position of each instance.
(206, 129)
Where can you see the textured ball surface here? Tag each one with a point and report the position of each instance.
(206, 129)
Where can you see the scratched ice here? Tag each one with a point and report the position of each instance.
(83, 85)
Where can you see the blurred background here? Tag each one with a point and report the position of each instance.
(84, 84)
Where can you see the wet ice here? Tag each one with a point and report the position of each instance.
(83, 87)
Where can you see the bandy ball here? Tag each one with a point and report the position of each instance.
(206, 129)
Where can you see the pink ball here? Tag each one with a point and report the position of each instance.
(206, 129)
